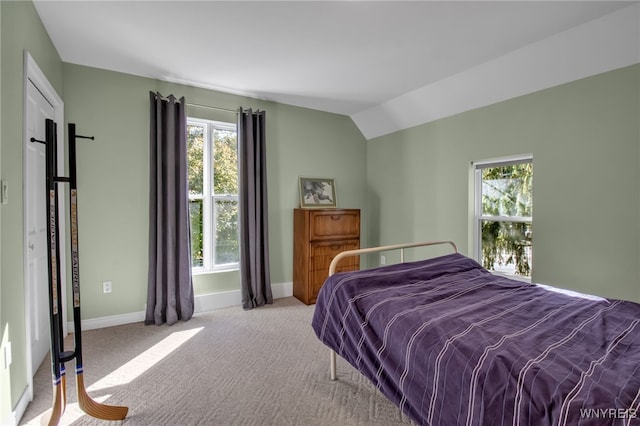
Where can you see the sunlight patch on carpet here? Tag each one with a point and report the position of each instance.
(143, 362)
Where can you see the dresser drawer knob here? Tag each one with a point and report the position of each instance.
(335, 217)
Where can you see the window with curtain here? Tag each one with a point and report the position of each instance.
(213, 194)
(503, 222)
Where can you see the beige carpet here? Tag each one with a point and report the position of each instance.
(224, 367)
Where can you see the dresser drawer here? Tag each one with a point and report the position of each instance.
(331, 224)
(318, 277)
(322, 253)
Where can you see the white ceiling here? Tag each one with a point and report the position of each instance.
(347, 57)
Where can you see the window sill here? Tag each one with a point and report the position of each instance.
(203, 271)
(513, 277)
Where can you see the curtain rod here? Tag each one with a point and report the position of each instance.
(213, 107)
(237, 111)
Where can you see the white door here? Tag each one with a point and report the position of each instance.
(38, 109)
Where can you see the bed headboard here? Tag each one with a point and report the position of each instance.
(401, 247)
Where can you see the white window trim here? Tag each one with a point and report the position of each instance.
(208, 198)
(511, 159)
(476, 168)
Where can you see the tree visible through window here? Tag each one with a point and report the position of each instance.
(213, 193)
(504, 215)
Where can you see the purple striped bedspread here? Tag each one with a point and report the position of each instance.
(452, 344)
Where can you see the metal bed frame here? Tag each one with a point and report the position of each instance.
(358, 252)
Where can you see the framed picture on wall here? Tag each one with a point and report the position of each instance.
(317, 193)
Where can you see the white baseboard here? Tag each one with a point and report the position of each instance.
(203, 303)
(14, 417)
(282, 290)
(110, 321)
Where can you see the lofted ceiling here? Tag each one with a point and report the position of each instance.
(346, 57)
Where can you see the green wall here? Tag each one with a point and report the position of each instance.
(585, 141)
(21, 30)
(113, 178)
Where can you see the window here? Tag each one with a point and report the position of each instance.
(212, 153)
(504, 215)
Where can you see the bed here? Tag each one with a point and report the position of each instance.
(452, 344)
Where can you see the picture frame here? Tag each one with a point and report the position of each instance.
(317, 193)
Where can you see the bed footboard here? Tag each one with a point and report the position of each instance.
(358, 252)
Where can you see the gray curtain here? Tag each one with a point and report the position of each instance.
(170, 288)
(254, 225)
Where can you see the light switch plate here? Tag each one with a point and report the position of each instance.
(4, 191)
(7, 355)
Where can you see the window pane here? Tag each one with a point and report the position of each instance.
(195, 214)
(507, 190)
(195, 157)
(225, 162)
(213, 166)
(227, 250)
(506, 247)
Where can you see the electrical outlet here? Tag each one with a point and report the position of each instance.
(383, 260)
(106, 287)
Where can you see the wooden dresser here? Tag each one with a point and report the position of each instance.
(318, 235)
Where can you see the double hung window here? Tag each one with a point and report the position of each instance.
(212, 152)
(503, 219)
